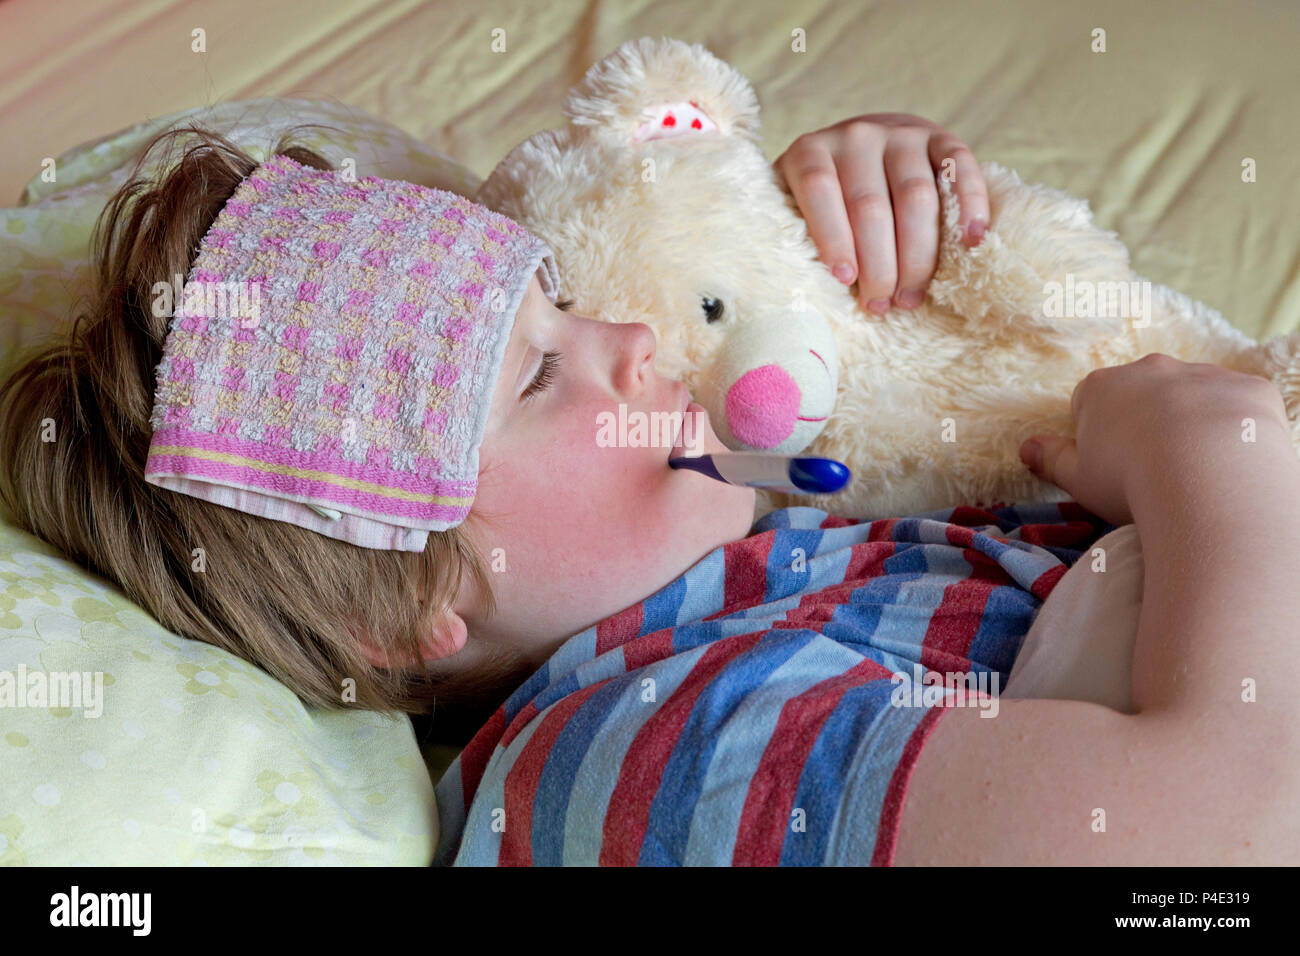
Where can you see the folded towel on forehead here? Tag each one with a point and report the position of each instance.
(332, 358)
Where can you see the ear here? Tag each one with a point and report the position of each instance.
(651, 89)
(447, 637)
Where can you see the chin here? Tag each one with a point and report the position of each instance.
(741, 504)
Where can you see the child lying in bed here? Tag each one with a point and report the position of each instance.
(769, 705)
(684, 687)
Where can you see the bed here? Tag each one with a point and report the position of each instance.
(1176, 122)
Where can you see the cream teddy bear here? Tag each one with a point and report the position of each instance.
(661, 208)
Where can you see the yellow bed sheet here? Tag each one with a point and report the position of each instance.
(1153, 131)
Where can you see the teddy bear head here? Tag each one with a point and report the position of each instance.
(661, 208)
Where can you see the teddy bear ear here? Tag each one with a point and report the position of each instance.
(667, 120)
(659, 88)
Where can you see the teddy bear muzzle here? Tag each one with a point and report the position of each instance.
(779, 406)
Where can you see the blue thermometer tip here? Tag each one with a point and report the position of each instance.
(818, 476)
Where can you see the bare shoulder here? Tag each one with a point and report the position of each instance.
(1056, 782)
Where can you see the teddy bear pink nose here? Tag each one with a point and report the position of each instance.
(762, 406)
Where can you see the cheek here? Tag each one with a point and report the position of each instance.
(577, 516)
(576, 497)
(621, 486)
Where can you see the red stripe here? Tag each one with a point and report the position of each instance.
(1044, 583)
(1073, 535)
(619, 628)
(962, 537)
(956, 619)
(526, 714)
(474, 758)
(891, 810)
(976, 517)
(765, 817)
(745, 575)
(522, 779)
(882, 530)
(868, 561)
(648, 649)
(813, 611)
(628, 815)
(835, 521)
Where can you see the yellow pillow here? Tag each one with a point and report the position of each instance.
(179, 752)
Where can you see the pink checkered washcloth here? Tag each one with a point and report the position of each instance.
(334, 356)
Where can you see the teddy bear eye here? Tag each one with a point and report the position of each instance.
(712, 308)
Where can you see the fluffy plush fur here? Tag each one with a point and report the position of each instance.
(687, 227)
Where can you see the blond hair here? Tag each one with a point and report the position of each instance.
(286, 599)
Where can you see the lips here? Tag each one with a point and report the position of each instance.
(679, 449)
(684, 403)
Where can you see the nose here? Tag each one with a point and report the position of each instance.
(635, 356)
(762, 406)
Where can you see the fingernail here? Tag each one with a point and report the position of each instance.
(975, 231)
(878, 306)
(910, 299)
(843, 272)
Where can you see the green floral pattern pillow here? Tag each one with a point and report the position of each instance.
(188, 754)
(195, 756)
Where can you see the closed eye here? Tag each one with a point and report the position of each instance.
(550, 362)
(545, 374)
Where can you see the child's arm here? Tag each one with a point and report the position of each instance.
(1208, 769)
(866, 188)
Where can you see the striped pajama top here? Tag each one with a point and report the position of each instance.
(752, 712)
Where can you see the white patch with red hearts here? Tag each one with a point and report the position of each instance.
(672, 119)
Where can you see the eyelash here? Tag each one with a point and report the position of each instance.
(550, 362)
(545, 374)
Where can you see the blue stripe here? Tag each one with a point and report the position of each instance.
(660, 609)
(827, 568)
(854, 623)
(1024, 567)
(1008, 615)
(772, 520)
(594, 782)
(449, 800)
(527, 691)
(799, 516)
(742, 741)
(680, 787)
(822, 781)
(880, 743)
(906, 529)
(481, 841)
(555, 787)
(573, 653)
(558, 690)
(782, 578)
(704, 590)
(834, 539)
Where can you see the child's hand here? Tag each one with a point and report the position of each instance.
(843, 176)
(1152, 426)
